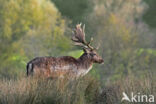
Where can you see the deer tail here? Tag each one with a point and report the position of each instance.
(29, 69)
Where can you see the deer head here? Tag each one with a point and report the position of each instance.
(79, 40)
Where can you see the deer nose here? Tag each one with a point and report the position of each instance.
(102, 61)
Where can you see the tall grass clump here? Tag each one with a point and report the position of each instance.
(112, 92)
(45, 91)
(86, 90)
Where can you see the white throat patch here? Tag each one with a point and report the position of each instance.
(83, 72)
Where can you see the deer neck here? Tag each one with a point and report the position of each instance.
(85, 63)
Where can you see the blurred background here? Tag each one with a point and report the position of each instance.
(125, 30)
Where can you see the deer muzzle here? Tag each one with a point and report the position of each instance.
(101, 61)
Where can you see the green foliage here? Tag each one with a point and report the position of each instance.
(150, 15)
(28, 29)
(121, 37)
(76, 10)
(148, 51)
(76, 53)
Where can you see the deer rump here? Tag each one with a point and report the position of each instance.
(53, 67)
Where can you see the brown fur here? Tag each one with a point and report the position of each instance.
(66, 65)
(61, 66)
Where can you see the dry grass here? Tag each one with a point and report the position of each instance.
(86, 90)
(112, 93)
(43, 91)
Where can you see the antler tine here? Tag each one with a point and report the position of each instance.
(98, 47)
(84, 30)
(80, 34)
(79, 37)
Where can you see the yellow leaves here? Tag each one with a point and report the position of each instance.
(121, 30)
(32, 12)
(8, 18)
(7, 30)
(125, 34)
(147, 58)
(113, 19)
(20, 16)
(27, 28)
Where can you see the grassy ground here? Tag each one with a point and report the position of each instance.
(85, 90)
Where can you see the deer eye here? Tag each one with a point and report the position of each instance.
(92, 54)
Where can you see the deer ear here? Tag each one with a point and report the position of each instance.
(86, 50)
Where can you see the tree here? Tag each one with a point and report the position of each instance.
(75, 10)
(118, 27)
(29, 28)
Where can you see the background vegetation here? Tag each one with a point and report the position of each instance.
(125, 30)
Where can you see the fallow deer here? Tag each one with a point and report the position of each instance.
(67, 65)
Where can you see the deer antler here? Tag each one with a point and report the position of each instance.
(79, 37)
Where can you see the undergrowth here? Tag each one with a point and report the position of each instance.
(86, 90)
